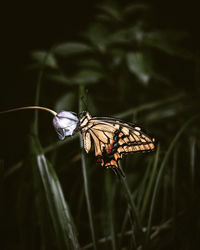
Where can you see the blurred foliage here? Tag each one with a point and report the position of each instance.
(135, 69)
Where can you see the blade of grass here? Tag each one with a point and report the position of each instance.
(13, 169)
(40, 205)
(131, 203)
(174, 189)
(127, 218)
(147, 106)
(164, 195)
(84, 171)
(174, 179)
(139, 194)
(142, 187)
(136, 220)
(150, 184)
(110, 193)
(58, 208)
(192, 164)
(159, 178)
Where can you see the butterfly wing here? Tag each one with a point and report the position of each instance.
(113, 138)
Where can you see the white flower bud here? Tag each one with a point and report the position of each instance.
(65, 124)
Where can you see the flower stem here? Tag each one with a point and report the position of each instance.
(29, 107)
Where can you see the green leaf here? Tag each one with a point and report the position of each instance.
(139, 66)
(90, 63)
(71, 48)
(82, 77)
(46, 58)
(59, 211)
(98, 35)
(120, 36)
(111, 11)
(132, 8)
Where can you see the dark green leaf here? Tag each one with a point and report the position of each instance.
(46, 58)
(71, 48)
(58, 208)
(111, 11)
(139, 65)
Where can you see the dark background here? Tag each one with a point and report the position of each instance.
(31, 26)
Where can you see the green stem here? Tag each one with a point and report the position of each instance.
(84, 171)
(29, 107)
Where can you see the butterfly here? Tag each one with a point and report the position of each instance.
(112, 138)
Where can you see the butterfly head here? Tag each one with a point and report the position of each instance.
(65, 123)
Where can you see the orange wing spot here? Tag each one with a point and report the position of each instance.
(114, 163)
(102, 164)
(120, 149)
(112, 141)
(121, 134)
(117, 156)
(109, 148)
(121, 141)
(126, 139)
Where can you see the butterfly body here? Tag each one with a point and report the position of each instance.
(112, 138)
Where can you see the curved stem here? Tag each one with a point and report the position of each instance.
(29, 107)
